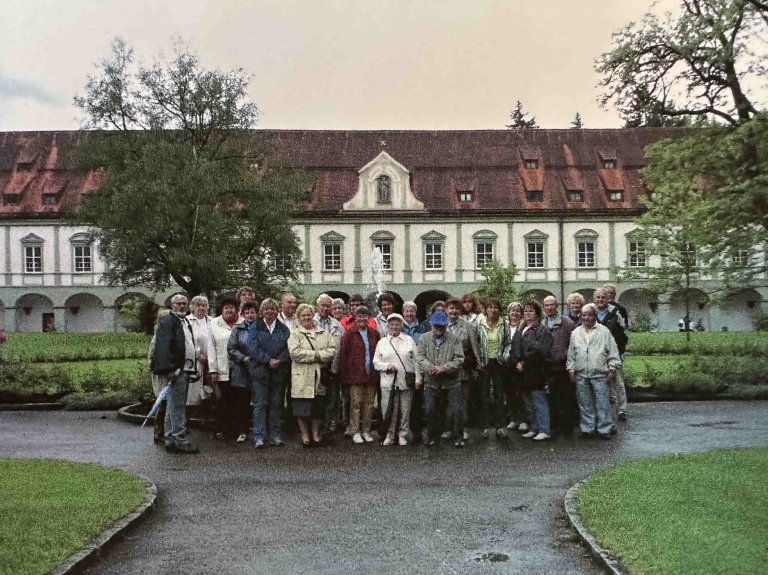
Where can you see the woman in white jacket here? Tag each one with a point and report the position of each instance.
(394, 358)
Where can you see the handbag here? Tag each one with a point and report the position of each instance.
(410, 376)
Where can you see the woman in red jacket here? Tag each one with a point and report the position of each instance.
(356, 350)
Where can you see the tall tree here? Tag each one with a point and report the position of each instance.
(519, 119)
(189, 194)
(696, 64)
(717, 176)
(577, 122)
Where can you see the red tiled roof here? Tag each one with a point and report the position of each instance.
(490, 163)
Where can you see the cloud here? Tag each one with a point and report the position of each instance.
(13, 88)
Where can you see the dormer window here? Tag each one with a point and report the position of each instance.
(531, 164)
(383, 189)
(535, 195)
(466, 197)
(24, 166)
(575, 196)
(616, 196)
(609, 164)
(49, 200)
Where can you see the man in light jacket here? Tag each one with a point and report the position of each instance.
(593, 359)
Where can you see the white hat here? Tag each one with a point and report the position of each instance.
(392, 316)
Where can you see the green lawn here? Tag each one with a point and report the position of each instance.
(693, 514)
(50, 509)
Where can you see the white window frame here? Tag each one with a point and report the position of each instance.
(433, 256)
(536, 250)
(586, 249)
(32, 254)
(332, 252)
(332, 257)
(384, 240)
(485, 247)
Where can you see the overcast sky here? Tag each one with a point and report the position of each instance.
(331, 64)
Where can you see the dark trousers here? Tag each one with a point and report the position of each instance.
(434, 398)
(563, 407)
(233, 410)
(331, 415)
(492, 396)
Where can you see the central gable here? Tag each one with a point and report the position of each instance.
(383, 184)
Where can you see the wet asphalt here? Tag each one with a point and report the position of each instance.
(493, 507)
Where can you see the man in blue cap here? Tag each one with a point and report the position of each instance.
(440, 356)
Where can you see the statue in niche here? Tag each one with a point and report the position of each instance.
(383, 190)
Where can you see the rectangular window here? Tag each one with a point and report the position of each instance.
(688, 255)
(483, 254)
(637, 255)
(433, 256)
(531, 164)
(616, 196)
(535, 195)
(33, 259)
(741, 259)
(332, 257)
(535, 252)
(466, 197)
(575, 197)
(386, 254)
(83, 262)
(49, 200)
(585, 254)
(609, 164)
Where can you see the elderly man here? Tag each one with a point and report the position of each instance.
(562, 396)
(593, 359)
(287, 315)
(440, 357)
(174, 360)
(325, 320)
(609, 316)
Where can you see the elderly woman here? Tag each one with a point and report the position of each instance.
(530, 348)
(575, 302)
(269, 369)
(239, 379)
(232, 410)
(356, 350)
(386, 303)
(312, 349)
(338, 308)
(201, 331)
(394, 360)
(512, 379)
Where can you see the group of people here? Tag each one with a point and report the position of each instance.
(383, 375)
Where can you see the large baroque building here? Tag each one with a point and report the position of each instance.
(437, 205)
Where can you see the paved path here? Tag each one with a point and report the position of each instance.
(366, 510)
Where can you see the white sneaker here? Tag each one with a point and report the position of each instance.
(446, 435)
(488, 433)
(541, 437)
(523, 427)
(241, 438)
(465, 435)
(529, 434)
(368, 438)
(402, 441)
(512, 425)
(357, 438)
(389, 440)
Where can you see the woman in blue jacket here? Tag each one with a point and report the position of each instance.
(269, 367)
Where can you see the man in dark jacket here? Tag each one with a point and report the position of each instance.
(174, 360)
(562, 393)
(609, 316)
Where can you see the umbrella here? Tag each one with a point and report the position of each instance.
(160, 398)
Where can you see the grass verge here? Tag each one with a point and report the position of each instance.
(692, 514)
(50, 509)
